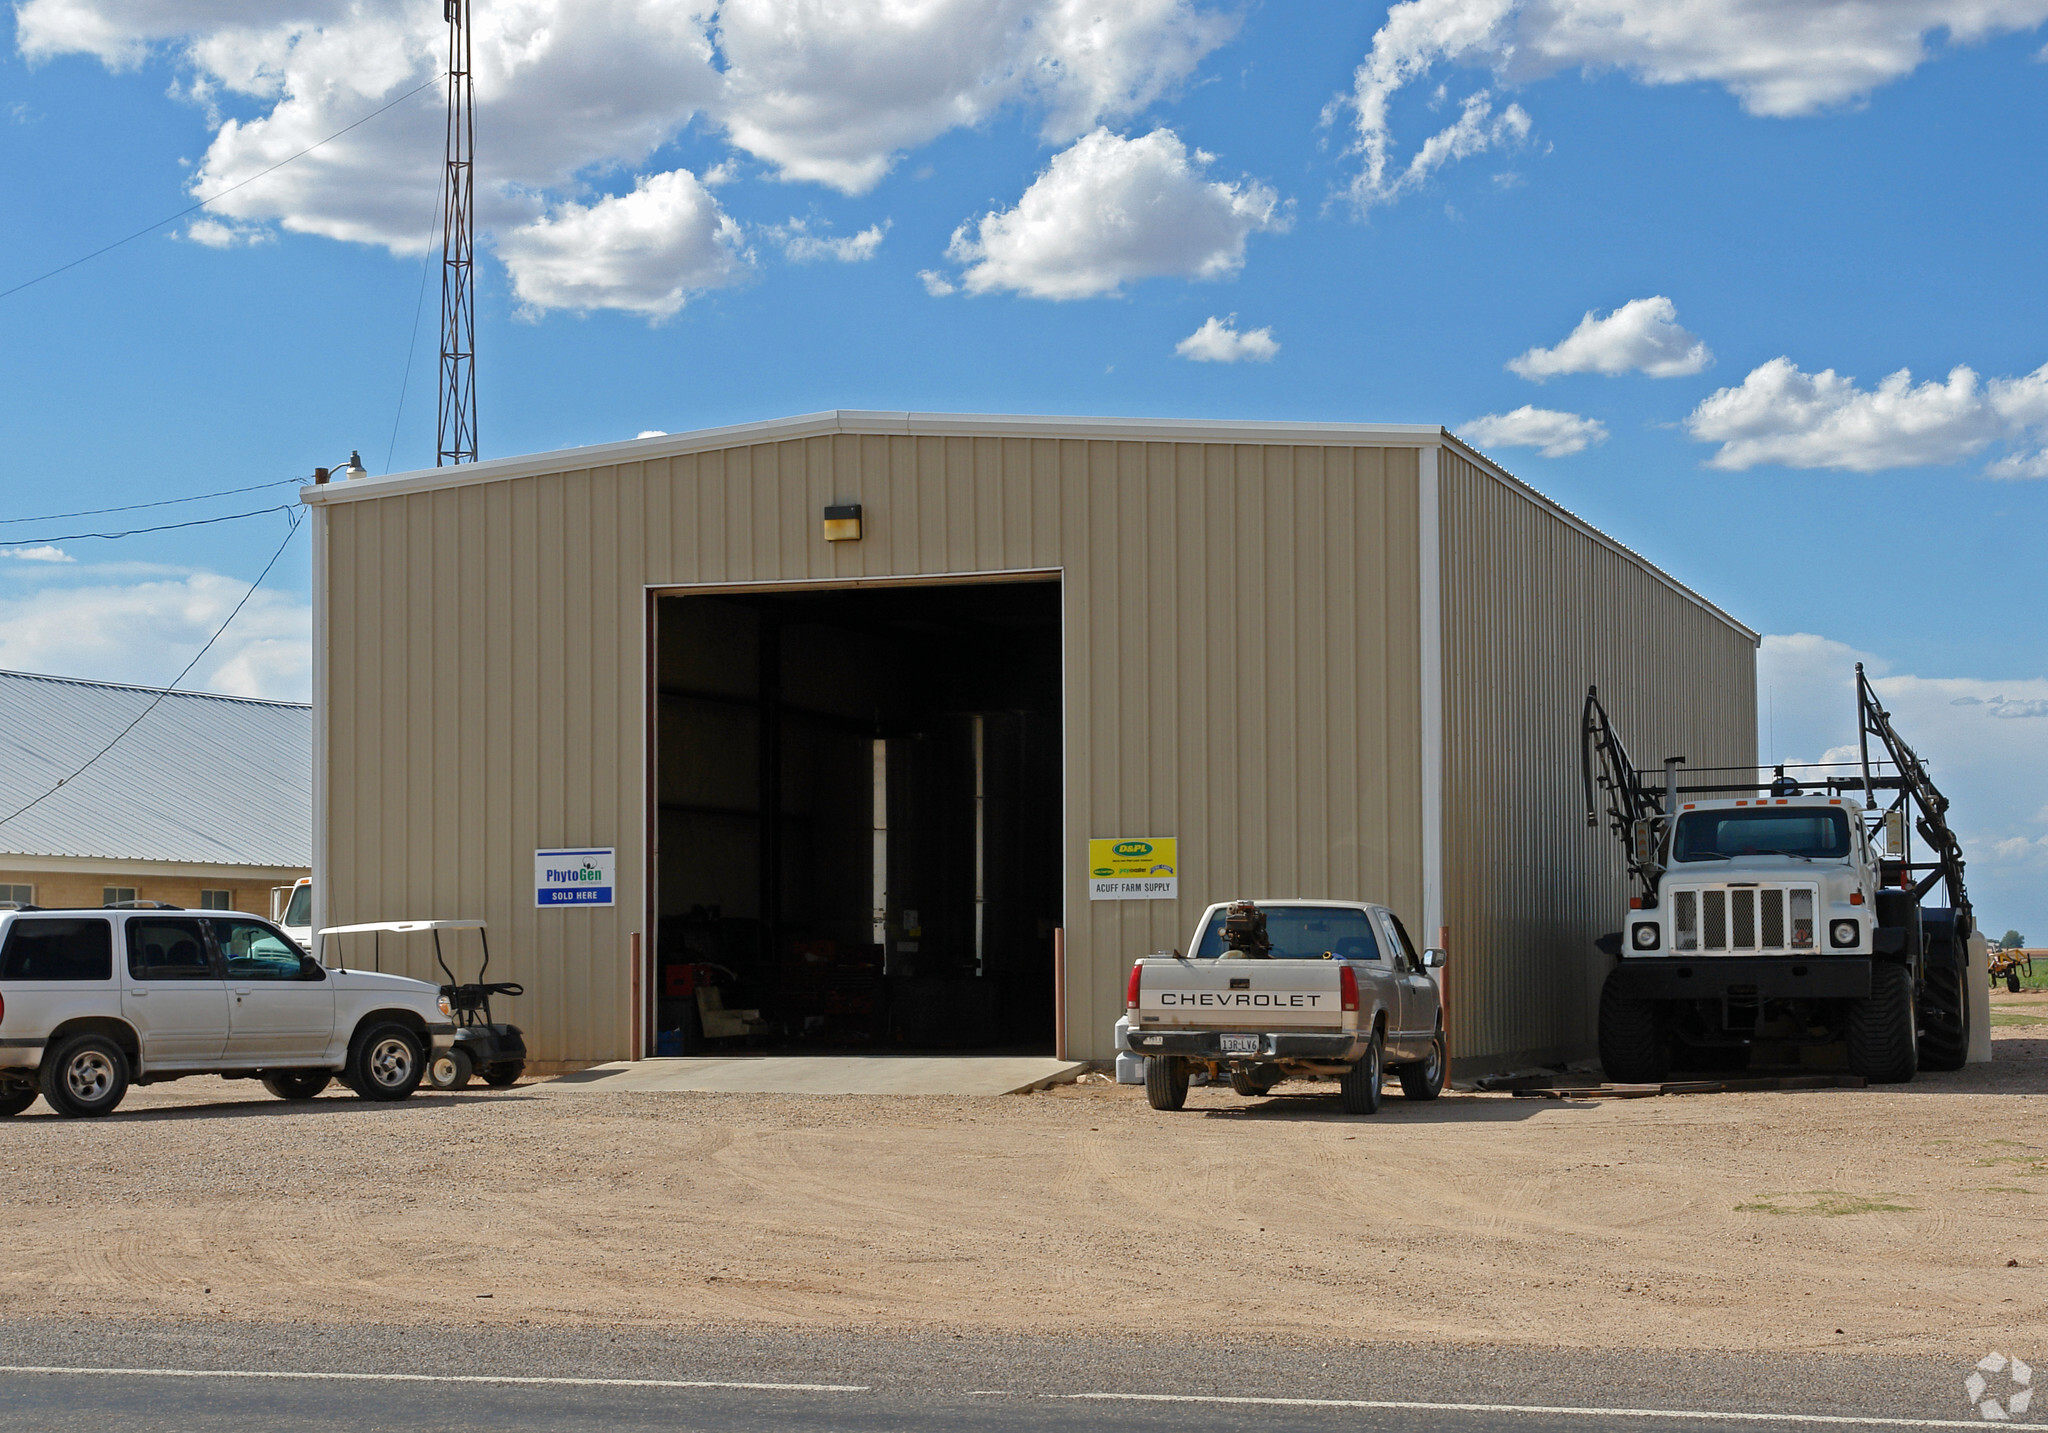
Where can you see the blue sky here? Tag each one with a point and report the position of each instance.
(1752, 214)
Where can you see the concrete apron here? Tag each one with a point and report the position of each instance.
(824, 1075)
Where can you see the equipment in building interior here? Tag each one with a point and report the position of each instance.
(483, 1046)
(701, 984)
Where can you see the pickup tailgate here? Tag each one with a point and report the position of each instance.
(1239, 994)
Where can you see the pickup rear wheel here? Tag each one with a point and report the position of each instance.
(1424, 1080)
(387, 1063)
(1359, 1086)
(1166, 1082)
(85, 1076)
(295, 1084)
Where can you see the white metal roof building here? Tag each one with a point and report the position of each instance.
(206, 792)
(847, 697)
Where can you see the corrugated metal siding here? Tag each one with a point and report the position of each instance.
(1241, 659)
(204, 779)
(1533, 611)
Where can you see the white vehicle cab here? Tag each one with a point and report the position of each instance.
(293, 910)
(92, 1001)
(1290, 989)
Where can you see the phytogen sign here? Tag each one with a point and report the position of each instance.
(575, 878)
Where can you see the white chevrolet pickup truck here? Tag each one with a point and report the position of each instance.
(1290, 989)
(92, 1001)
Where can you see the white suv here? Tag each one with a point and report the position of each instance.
(92, 1001)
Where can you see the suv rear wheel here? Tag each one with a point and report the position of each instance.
(85, 1076)
(387, 1063)
(295, 1084)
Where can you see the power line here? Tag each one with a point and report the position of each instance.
(418, 307)
(138, 531)
(159, 503)
(152, 228)
(290, 533)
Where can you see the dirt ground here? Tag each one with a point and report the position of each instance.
(1870, 1220)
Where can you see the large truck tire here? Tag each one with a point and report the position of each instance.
(1166, 1082)
(1359, 1087)
(1882, 1048)
(1944, 1009)
(1633, 1050)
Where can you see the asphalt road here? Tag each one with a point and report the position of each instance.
(121, 1377)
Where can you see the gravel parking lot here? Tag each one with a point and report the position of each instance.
(1880, 1220)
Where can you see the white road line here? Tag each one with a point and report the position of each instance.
(1841, 1419)
(443, 1378)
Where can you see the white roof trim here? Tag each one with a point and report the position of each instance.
(985, 425)
(844, 420)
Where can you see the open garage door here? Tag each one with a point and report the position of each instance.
(857, 799)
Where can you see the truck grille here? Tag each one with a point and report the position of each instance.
(1743, 919)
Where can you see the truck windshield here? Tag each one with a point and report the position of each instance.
(300, 911)
(1303, 933)
(1724, 835)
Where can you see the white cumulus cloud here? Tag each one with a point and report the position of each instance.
(43, 553)
(801, 246)
(1780, 414)
(646, 252)
(1109, 211)
(1219, 340)
(118, 626)
(1642, 336)
(1777, 58)
(1554, 434)
(567, 89)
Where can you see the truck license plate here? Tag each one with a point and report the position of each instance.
(1240, 1044)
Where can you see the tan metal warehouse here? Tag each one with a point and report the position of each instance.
(863, 774)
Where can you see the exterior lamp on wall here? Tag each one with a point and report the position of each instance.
(842, 523)
(347, 472)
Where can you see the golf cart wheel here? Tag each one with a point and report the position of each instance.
(85, 1076)
(295, 1084)
(1359, 1087)
(450, 1070)
(1424, 1080)
(387, 1063)
(16, 1099)
(1166, 1082)
(503, 1073)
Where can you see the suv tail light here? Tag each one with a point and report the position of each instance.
(1347, 986)
(1131, 990)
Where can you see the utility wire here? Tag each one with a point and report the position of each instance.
(159, 503)
(290, 533)
(418, 307)
(193, 209)
(138, 531)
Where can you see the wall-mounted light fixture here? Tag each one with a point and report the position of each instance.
(842, 522)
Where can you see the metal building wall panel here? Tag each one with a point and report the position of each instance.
(1240, 657)
(1535, 609)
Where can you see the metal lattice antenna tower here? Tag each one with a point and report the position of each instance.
(458, 250)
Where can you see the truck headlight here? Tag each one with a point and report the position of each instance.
(1643, 937)
(1843, 934)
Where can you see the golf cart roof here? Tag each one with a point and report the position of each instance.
(402, 926)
